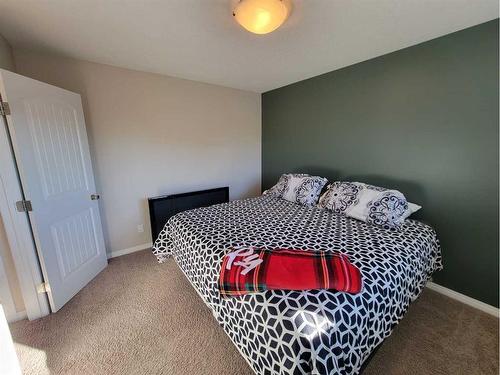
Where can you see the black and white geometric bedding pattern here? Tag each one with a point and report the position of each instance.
(303, 332)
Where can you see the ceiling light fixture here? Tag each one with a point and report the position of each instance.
(262, 16)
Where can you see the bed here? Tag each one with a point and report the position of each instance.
(303, 332)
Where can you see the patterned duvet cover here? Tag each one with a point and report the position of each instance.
(303, 332)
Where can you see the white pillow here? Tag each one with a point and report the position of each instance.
(412, 208)
(278, 189)
(371, 204)
(298, 188)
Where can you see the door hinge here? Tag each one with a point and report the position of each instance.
(43, 288)
(4, 109)
(24, 206)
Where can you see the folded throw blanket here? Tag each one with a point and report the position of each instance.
(248, 270)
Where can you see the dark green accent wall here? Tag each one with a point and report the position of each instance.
(423, 120)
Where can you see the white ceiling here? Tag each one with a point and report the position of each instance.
(199, 40)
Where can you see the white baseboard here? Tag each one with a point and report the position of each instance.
(129, 250)
(492, 310)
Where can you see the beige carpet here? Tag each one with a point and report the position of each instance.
(140, 317)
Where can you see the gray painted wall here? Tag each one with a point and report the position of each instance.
(423, 120)
(151, 135)
(6, 58)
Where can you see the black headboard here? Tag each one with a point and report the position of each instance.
(163, 208)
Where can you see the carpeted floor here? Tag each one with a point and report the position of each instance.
(140, 317)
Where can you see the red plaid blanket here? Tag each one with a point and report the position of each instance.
(256, 270)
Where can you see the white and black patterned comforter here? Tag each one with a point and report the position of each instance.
(308, 332)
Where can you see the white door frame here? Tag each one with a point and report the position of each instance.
(18, 230)
(6, 299)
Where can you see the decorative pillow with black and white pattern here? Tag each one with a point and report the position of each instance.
(280, 187)
(372, 204)
(298, 188)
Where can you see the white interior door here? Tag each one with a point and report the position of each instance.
(47, 129)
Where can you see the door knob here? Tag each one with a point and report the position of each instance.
(95, 197)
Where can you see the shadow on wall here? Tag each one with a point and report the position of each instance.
(253, 191)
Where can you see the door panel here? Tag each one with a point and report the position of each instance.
(75, 242)
(50, 143)
(58, 148)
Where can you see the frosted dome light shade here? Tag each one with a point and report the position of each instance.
(262, 16)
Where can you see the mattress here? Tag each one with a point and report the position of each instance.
(303, 332)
